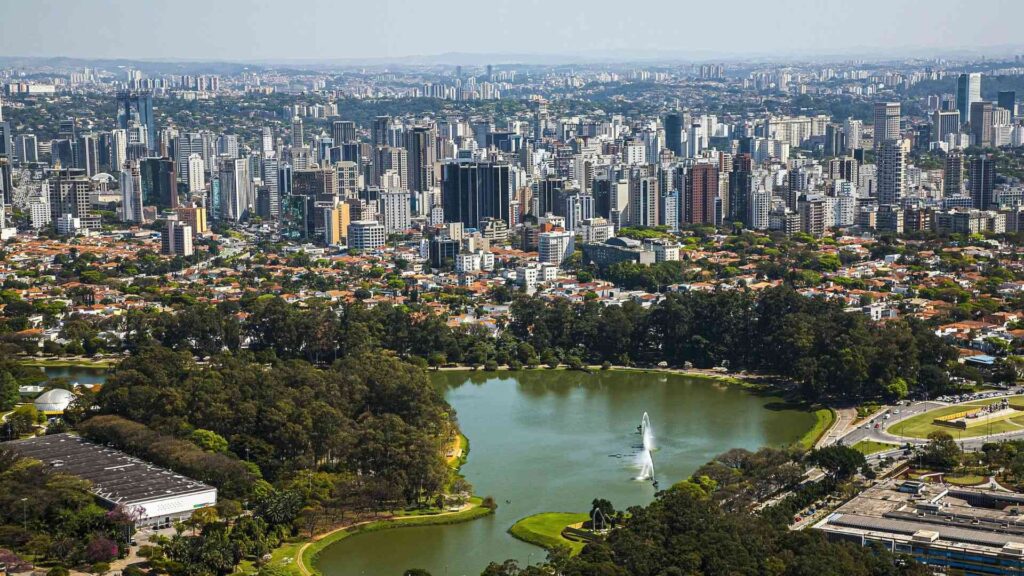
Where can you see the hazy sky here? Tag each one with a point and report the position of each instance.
(330, 29)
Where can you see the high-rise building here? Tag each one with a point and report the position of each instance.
(194, 216)
(237, 197)
(422, 154)
(86, 153)
(741, 184)
(555, 247)
(953, 174)
(184, 147)
(887, 122)
(69, 194)
(379, 131)
(196, 173)
(159, 182)
(701, 191)
(343, 131)
(968, 91)
(6, 139)
(472, 191)
(137, 107)
(118, 147)
(981, 123)
(26, 149)
(549, 195)
(891, 172)
(177, 239)
(131, 193)
(981, 181)
(643, 200)
(336, 221)
(1007, 100)
(366, 235)
(271, 174)
(394, 209)
(674, 133)
(298, 137)
(267, 141)
(944, 124)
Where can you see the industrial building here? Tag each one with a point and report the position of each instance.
(954, 530)
(160, 496)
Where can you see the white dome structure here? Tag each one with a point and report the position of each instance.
(53, 401)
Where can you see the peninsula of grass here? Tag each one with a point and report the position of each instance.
(921, 425)
(868, 447)
(824, 419)
(545, 530)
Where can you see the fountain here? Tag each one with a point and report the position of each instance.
(644, 459)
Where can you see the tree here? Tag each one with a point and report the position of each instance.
(839, 462)
(942, 451)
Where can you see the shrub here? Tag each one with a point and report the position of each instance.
(489, 503)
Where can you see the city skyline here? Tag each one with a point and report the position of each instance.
(529, 31)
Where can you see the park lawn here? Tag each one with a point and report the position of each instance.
(824, 418)
(964, 479)
(868, 447)
(545, 530)
(920, 426)
(68, 363)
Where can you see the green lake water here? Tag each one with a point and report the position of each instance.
(543, 441)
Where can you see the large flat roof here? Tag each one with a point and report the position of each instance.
(116, 477)
(983, 521)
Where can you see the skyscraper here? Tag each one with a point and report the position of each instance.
(674, 133)
(343, 131)
(643, 200)
(131, 193)
(700, 194)
(944, 124)
(981, 181)
(159, 182)
(137, 107)
(1007, 99)
(196, 176)
(379, 130)
(237, 197)
(472, 191)
(422, 154)
(887, 122)
(891, 166)
(298, 137)
(271, 173)
(981, 123)
(968, 91)
(953, 174)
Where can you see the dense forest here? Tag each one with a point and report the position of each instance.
(687, 531)
(827, 352)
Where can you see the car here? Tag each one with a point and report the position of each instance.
(877, 426)
(797, 519)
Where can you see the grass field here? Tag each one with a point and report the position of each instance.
(867, 447)
(965, 480)
(545, 530)
(68, 363)
(823, 420)
(920, 426)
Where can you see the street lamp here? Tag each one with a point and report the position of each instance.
(24, 513)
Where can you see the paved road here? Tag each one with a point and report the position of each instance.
(888, 429)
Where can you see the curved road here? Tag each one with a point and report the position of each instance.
(886, 432)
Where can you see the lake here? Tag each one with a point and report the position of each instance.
(80, 374)
(552, 441)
